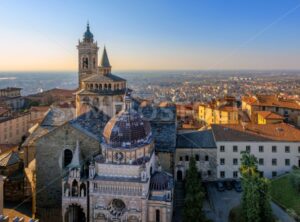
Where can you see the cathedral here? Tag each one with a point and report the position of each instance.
(106, 161)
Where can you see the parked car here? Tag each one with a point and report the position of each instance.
(237, 186)
(228, 185)
(220, 186)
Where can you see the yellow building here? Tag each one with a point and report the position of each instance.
(267, 117)
(223, 111)
(289, 109)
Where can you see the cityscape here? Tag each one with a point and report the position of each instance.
(98, 136)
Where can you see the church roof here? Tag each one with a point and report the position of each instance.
(105, 61)
(91, 123)
(161, 181)
(104, 78)
(126, 130)
(196, 139)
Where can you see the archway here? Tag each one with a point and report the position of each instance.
(74, 213)
(179, 175)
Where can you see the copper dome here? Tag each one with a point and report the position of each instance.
(127, 130)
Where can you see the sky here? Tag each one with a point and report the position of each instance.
(152, 34)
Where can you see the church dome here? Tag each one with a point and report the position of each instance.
(160, 181)
(127, 130)
(88, 36)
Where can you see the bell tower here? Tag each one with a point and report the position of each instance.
(87, 56)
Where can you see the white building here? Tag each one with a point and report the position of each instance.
(276, 147)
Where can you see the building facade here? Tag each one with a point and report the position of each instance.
(276, 147)
(124, 182)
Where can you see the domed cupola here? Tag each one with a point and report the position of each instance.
(88, 36)
(127, 129)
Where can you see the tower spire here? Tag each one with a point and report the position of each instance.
(105, 67)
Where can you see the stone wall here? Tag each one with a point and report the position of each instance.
(49, 162)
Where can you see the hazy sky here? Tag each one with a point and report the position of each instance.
(152, 34)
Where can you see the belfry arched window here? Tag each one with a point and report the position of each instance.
(68, 155)
(85, 63)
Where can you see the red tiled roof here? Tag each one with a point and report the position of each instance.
(256, 132)
(269, 115)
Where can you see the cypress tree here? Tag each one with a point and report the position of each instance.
(194, 195)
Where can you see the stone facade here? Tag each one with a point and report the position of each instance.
(50, 154)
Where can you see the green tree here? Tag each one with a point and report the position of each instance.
(194, 195)
(256, 195)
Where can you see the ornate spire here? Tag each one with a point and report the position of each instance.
(88, 36)
(76, 157)
(105, 61)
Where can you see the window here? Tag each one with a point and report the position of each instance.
(235, 174)
(180, 158)
(298, 149)
(248, 149)
(274, 162)
(287, 162)
(157, 215)
(222, 161)
(261, 161)
(261, 149)
(209, 173)
(68, 155)
(222, 148)
(197, 157)
(274, 149)
(287, 149)
(261, 173)
(206, 158)
(186, 158)
(274, 174)
(235, 161)
(235, 148)
(222, 174)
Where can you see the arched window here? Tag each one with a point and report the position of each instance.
(82, 190)
(85, 63)
(91, 86)
(197, 158)
(68, 155)
(105, 86)
(75, 188)
(96, 86)
(157, 215)
(109, 86)
(100, 86)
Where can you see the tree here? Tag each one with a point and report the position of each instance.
(295, 178)
(256, 195)
(194, 195)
